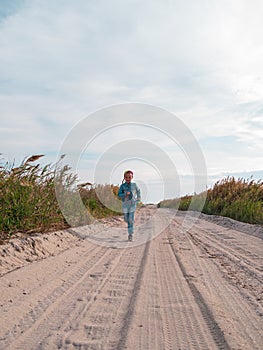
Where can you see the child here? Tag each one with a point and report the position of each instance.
(130, 195)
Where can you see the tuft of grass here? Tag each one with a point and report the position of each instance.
(28, 198)
(240, 199)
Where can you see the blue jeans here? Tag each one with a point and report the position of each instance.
(129, 218)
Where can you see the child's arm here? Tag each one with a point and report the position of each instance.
(121, 192)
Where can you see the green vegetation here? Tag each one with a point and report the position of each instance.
(239, 199)
(28, 201)
(94, 197)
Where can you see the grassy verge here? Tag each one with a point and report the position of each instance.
(28, 200)
(239, 199)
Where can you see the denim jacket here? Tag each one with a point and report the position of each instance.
(133, 198)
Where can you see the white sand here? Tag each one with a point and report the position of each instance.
(88, 288)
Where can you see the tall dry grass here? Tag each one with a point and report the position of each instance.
(27, 198)
(240, 199)
(101, 200)
(28, 201)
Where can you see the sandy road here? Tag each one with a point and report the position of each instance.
(200, 289)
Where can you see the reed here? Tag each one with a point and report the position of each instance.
(101, 200)
(240, 199)
(28, 201)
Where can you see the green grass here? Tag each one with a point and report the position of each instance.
(28, 201)
(94, 197)
(239, 199)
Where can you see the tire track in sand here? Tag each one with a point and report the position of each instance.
(28, 331)
(149, 296)
(233, 312)
(170, 310)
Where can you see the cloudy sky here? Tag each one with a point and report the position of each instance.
(61, 61)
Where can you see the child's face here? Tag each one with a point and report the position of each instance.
(128, 177)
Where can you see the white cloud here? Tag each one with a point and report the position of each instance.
(63, 60)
